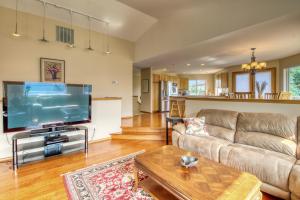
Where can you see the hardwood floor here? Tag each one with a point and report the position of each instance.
(154, 120)
(143, 127)
(42, 180)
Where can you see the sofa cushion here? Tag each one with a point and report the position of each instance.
(295, 180)
(272, 131)
(269, 166)
(207, 146)
(195, 126)
(220, 123)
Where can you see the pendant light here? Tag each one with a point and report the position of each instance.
(16, 33)
(254, 66)
(107, 45)
(44, 23)
(90, 35)
(71, 43)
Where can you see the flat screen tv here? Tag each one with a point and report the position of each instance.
(31, 105)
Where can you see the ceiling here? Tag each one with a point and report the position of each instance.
(125, 22)
(162, 8)
(216, 33)
(274, 39)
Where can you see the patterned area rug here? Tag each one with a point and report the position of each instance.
(112, 180)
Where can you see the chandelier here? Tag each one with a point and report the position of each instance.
(254, 66)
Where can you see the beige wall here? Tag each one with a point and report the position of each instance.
(208, 77)
(146, 105)
(136, 84)
(20, 57)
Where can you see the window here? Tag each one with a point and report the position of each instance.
(197, 87)
(242, 82)
(293, 81)
(245, 82)
(261, 77)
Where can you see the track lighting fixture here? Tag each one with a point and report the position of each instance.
(71, 42)
(90, 35)
(107, 45)
(16, 33)
(44, 22)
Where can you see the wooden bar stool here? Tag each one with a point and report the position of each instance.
(177, 108)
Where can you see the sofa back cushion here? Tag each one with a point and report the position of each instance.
(220, 123)
(271, 131)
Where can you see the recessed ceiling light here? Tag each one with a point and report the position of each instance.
(188, 64)
(202, 64)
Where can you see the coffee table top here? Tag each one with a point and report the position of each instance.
(207, 180)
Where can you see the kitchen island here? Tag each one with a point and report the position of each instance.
(195, 103)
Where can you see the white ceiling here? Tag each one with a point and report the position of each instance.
(274, 39)
(125, 22)
(217, 33)
(162, 8)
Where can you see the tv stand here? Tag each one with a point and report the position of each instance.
(38, 144)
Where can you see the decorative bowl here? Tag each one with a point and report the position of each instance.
(188, 161)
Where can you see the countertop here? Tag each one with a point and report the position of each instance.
(222, 98)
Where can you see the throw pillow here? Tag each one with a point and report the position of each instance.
(195, 126)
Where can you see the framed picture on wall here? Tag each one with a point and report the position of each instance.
(145, 85)
(52, 70)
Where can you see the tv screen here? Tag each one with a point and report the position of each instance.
(29, 105)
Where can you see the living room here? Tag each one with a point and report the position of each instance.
(161, 99)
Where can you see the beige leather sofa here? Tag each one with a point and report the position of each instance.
(264, 144)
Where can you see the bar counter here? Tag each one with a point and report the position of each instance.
(194, 104)
(220, 98)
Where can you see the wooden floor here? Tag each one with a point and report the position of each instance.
(143, 127)
(43, 180)
(155, 120)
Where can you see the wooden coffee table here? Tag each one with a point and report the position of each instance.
(207, 180)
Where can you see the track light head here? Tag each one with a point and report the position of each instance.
(16, 34)
(90, 48)
(71, 45)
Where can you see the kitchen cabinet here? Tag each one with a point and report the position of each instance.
(155, 78)
(184, 84)
(224, 80)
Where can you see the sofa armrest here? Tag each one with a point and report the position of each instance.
(294, 181)
(178, 133)
(180, 128)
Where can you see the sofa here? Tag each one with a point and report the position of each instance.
(264, 144)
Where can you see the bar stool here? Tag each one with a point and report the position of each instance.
(178, 108)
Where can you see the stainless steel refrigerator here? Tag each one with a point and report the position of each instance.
(164, 96)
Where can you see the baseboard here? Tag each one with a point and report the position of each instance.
(145, 112)
(100, 140)
(4, 160)
(127, 117)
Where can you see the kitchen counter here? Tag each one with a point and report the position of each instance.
(221, 98)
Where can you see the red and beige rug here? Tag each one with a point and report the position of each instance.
(112, 180)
